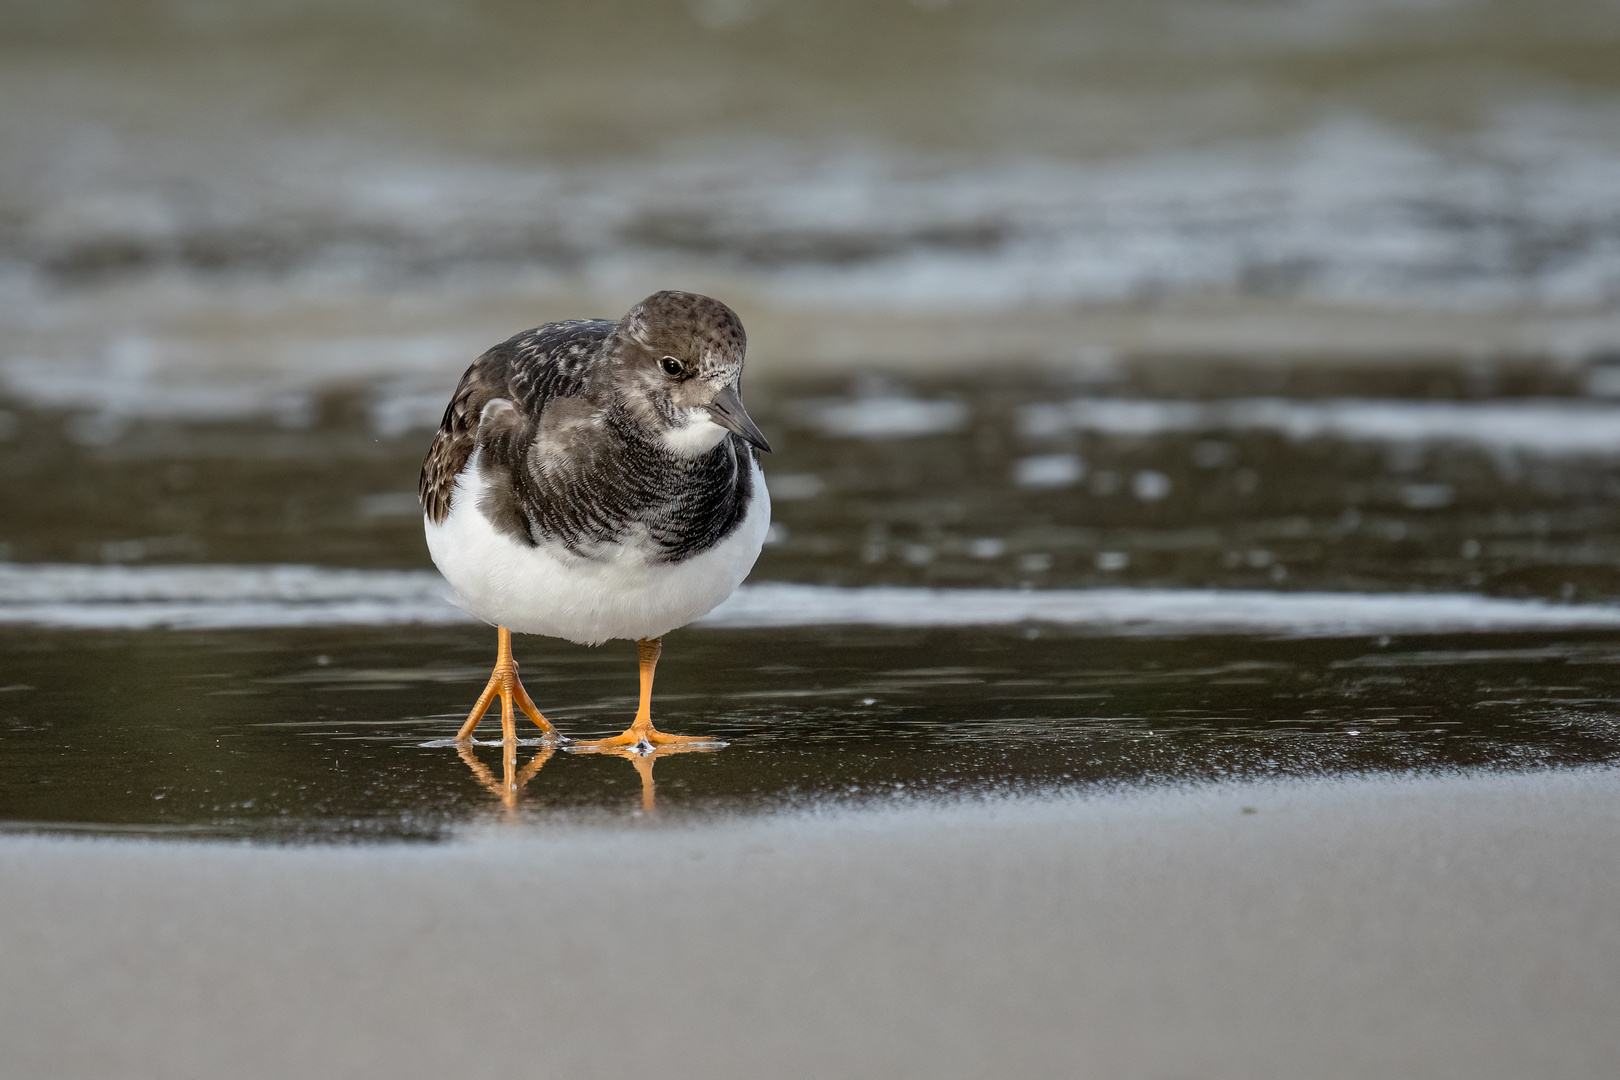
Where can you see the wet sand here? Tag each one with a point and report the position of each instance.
(1463, 926)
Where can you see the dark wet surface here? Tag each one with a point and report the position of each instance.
(319, 735)
(954, 506)
(288, 734)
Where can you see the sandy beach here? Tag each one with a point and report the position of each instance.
(1456, 927)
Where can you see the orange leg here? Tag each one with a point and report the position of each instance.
(641, 732)
(505, 682)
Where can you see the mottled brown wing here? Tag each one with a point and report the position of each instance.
(529, 370)
(487, 378)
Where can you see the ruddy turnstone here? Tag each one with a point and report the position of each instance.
(595, 480)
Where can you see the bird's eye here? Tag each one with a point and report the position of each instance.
(673, 367)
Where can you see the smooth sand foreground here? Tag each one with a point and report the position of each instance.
(1459, 927)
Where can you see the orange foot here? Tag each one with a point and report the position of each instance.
(505, 682)
(641, 736)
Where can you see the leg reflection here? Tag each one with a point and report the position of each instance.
(510, 786)
(642, 759)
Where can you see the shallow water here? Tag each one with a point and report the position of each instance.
(1278, 491)
(226, 209)
(292, 735)
(1494, 478)
(924, 154)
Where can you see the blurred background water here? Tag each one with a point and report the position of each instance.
(1278, 296)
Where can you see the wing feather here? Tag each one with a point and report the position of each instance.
(529, 370)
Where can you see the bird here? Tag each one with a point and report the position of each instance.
(595, 480)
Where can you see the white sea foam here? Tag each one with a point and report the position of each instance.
(885, 416)
(1155, 611)
(219, 597)
(1522, 211)
(1541, 426)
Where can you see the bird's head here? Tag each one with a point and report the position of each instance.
(677, 361)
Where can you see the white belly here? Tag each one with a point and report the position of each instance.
(547, 590)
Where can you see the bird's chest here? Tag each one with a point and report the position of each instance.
(620, 506)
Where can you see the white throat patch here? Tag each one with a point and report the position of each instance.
(698, 435)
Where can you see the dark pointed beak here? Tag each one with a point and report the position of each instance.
(728, 412)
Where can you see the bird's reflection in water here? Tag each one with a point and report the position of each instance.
(642, 757)
(509, 787)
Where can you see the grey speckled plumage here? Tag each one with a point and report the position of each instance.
(569, 421)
